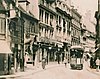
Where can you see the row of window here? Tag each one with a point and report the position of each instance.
(46, 33)
(75, 32)
(46, 17)
(75, 41)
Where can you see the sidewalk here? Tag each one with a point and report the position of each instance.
(30, 70)
(91, 70)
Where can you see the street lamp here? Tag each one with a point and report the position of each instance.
(49, 48)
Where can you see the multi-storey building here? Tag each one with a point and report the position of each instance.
(75, 28)
(97, 16)
(63, 28)
(54, 27)
(5, 49)
(47, 23)
(88, 35)
(19, 30)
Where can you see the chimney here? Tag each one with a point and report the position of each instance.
(24, 4)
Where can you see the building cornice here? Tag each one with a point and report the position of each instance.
(64, 12)
(75, 11)
(48, 9)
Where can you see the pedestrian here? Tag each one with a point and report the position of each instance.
(91, 62)
(97, 64)
(43, 63)
(25, 60)
(65, 61)
(58, 59)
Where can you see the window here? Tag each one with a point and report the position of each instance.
(32, 27)
(46, 17)
(68, 28)
(64, 23)
(51, 19)
(2, 26)
(51, 34)
(59, 20)
(41, 15)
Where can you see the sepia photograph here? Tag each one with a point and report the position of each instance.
(49, 39)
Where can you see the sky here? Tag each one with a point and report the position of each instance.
(86, 5)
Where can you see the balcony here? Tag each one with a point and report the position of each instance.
(44, 39)
(49, 27)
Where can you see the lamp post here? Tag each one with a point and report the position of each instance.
(58, 55)
(48, 54)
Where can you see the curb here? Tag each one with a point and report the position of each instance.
(97, 73)
(90, 70)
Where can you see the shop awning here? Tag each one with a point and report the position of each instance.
(89, 55)
(97, 50)
(4, 48)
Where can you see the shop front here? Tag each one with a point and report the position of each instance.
(5, 58)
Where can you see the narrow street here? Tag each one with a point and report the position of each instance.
(60, 72)
(55, 33)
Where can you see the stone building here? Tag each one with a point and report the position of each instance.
(76, 27)
(19, 31)
(63, 28)
(88, 34)
(97, 43)
(54, 28)
(5, 50)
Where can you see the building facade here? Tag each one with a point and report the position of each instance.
(76, 27)
(5, 50)
(54, 28)
(88, 34)
(19, 31)
(97, 44)
(63, 28)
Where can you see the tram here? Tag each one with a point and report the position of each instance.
(76, 57)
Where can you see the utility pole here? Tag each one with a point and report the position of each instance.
(22, 44)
